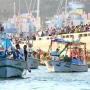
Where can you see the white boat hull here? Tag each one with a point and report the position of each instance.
(32, 63)
(11, 68)
(60, 66)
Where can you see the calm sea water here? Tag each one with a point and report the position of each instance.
(40, 79)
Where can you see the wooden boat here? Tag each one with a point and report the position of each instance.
(58, 66)
(69, 63)
(12, 68)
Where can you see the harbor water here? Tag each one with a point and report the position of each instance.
(40, 79)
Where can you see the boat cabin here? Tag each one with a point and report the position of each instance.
(73, 52)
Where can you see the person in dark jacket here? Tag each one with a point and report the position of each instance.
(25, 52)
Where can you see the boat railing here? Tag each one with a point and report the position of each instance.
(33, 58)
(83, 34)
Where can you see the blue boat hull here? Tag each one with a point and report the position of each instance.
(11, 68)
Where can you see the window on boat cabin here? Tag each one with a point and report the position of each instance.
(50, 37)
(40, 39)
(89, 34)
(63, 36)
(80, 35)
(85, 35)
(67, 36)
(71, 36)
(47, 38)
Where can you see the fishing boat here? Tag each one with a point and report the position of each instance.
(9, 65)
(74, 61)
(11, 68)
(32, 63)
(32, 60)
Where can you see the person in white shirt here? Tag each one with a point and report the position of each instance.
(19, 52)
(55, 55)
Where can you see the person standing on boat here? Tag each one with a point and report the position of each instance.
(30, 50)
(55, 54)
(19, 52)
(25, 52)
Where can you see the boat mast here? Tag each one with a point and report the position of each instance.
(38, 8)
(20, 25)
(19, 7)
(28, 7)
(66, 8)
(14, 8)
(14, 17)
(38, 25)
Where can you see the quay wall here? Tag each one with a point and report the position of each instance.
(44, 42)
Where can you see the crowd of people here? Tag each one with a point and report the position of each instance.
(64, 30)
(18, 53)
(53, 31)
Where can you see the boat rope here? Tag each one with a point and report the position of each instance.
(28, 7)
(34, 5)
